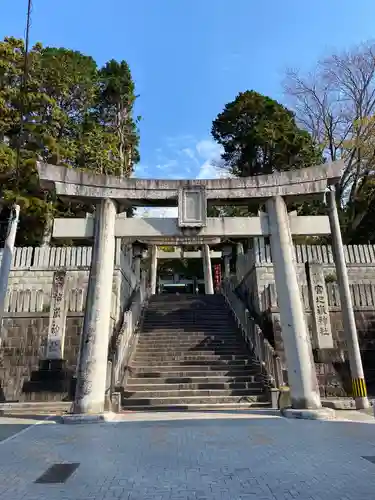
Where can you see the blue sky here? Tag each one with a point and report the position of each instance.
(190, 57)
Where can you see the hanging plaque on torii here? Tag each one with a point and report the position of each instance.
(192, 207)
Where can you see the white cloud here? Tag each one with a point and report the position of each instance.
(165, 167)
(186, 163)
(210, 171)
(140, 171)
(189, 153)
(207, 171)
(159, 212)
(208, 149)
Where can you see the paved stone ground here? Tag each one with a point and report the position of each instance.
(252, 458)
(12, 425)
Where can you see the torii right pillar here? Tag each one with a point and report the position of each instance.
(301, 369)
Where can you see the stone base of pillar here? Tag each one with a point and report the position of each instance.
(362, 403)
(88, 418)
(309, 414)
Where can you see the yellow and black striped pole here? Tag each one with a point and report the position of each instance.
(359, 388)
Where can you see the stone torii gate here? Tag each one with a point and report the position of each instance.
(181, 253)
(112, 195)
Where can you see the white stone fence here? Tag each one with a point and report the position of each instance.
(31, 278)
(50, 257)
(43, 258)
(363, 296)
(260, 254)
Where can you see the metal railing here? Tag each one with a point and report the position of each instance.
(265, 354)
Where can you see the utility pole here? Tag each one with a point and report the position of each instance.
(23, 89)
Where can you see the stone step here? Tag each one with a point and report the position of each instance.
(173, 300)
(263, 408)
(182, 336)
(176, 324)
(189, 299)
(186, 364)
(207, 358)
(189, 336)
(190, 346)
(182, 393)
(35, 408)
(186, 308)
(168, 351)
(186, 304)
(182, 320)
(211, 379)
(176, 310)
(194, 327)
(181, 315)
(188, 400)
(191, 349)
(187, 296)
(155, 389)
(193, 371)
(188, 315)
(189, 339)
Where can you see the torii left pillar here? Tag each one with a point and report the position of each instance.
(207, 270)
(154, 269)
(92, 362)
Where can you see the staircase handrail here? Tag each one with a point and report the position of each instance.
(265, 354)
(130, 318)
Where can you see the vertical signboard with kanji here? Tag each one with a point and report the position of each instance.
(322, 332)
(217, 276)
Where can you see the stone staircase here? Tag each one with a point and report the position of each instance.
(191, 355)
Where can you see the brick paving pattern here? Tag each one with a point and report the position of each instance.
(250, 458)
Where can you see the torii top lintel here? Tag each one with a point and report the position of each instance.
(85, 186)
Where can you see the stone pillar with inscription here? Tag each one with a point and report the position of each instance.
(57, 317)
(348, 318)
(227, 252)
(207, 270)
(137, 259)
(92, 363)
(301, 369)
(227, 266)
(154, 268)
(239, 263)
(322, 333)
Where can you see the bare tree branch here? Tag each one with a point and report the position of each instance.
(336, 105)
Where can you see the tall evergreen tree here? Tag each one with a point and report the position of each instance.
(73, 114)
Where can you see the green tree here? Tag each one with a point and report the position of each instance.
(115, 109)
(68, 119)
(260, 136)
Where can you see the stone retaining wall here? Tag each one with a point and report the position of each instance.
(331, 364)
(27, 316)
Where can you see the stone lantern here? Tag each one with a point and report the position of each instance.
(227, 253)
